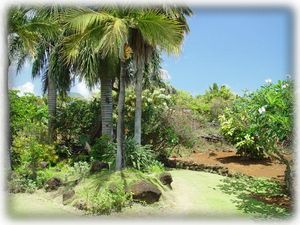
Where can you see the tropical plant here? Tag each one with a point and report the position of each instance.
(49, 65)
(260, 121)
(87, 116)
(169, 39)
(35, 33)
(109, 31)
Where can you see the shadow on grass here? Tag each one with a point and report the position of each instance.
(243, 188)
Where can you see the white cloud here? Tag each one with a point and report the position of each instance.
(82, 89)
(28, 87)
(165, 75)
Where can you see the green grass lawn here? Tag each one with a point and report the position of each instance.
(193, 194)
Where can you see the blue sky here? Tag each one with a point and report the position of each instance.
(239, 48)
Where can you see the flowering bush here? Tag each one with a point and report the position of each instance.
(258, 122)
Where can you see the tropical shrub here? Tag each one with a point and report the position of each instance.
(104, 201)
(77, 121)
(24, 110)
(158, 129)
(19, 183)
(80, 169)
(104, 149)
(206, 107)
(136, 156)
(259, 121)
(28, 151)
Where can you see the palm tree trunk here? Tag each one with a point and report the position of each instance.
(9, 139)
(120, 160)
(51, 109)
(106, 106)
(138, 103)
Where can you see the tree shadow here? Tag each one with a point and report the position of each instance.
(244, 161)
(242, 190)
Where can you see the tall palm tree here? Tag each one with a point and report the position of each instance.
(26, 29)
(143, 51)
(109, 31)
(48, 64)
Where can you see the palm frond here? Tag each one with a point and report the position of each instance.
(158, 30)
(80, 19)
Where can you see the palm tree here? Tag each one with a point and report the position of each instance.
(109, 31)
(26, 29)
(143, 51)
(48, 64)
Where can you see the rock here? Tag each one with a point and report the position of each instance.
(113, 188)
(68, 195)
(165, 178)
(171, 163)
(98, 166)
(81, 205)
(144, 191)
(43, 164)
(53, 184)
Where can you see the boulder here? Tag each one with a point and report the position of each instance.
(68, 195)
(98, 166)
(171, 163)
(113, 188)
(165, 178)
(81, 205)
(53, 184)
(43, 164)
(144, 191)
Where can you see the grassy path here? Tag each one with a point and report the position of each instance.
(39, 204)
(193, 194)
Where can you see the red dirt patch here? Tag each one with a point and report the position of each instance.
(258, 168)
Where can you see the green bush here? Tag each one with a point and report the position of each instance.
(77, 121)
(258, 122)
(25, 110)
(19, 183)
(28, 152)
(105, 202)
(136, 156)
(80, 169)
(155, 167)
(104, 149)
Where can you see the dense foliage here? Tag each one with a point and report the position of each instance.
(78, 121)
(258, 122)
(210, 105)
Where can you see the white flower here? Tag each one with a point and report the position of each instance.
(285, 86)
(268, 81)
(262, 110)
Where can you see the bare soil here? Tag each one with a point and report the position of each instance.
(258, 168)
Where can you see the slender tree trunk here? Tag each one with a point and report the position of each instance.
(51, 110)
(106, 106)
(120, 159)
(9, 139)
(138, 102)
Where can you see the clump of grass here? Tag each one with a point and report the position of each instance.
(105, 192)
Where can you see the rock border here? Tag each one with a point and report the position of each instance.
(216, 168)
